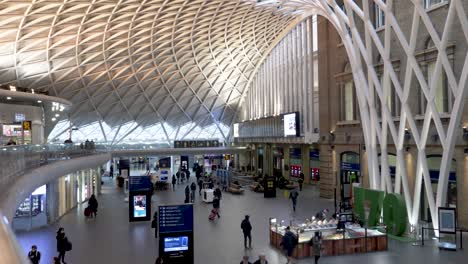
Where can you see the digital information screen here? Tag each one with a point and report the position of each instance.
(139, 206)
(172, 244)
(139, 183)
(291, 125)
(176, 218)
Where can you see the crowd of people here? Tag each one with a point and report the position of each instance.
(288, 242)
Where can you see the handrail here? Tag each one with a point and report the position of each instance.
(11, 251)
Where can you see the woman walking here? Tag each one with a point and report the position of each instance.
(63, 245)
(316, 244)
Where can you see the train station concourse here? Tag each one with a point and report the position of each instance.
(227, 131)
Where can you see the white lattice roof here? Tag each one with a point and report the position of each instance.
(147, 62)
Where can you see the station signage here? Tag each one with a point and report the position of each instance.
(176, 218)
(196, 144)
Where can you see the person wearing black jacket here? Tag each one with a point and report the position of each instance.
(93, 205)
(217, 193)
(200, 186)
(174, 181)
(34, 255)
(63, 245)
(247, 230)
(187, 194)
(154, 224)
(193, 188)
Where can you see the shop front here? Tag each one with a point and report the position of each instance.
(314, 165)
(32, 212)
(295, 159)
(350, 172)
(336, 239)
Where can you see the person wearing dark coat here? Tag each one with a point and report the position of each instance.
(217, 193)
(93, 205)
(111, 171)
(174, 181)
(62, 244)
(193, 188)
(34, 255)
(288, 243)
(316, 244)
(200, 186)
(216, 206)
(247, 230)
(293, 196)
(187, 194)
(154, 224)
(301, 181)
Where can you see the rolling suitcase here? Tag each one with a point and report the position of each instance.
(87, 212)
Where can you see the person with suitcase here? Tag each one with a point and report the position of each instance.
(216, 206)
(93, 205)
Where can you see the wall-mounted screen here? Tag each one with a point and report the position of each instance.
(139, 206)
(291, 124)
(12, 130)
(172, 244)
(236, 130)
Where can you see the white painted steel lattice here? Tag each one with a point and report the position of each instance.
(355, 25)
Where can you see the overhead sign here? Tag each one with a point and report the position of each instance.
(26, 125)
(139, 183)
(196, 144)
(175, 218)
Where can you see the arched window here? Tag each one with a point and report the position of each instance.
(348, 101)
(442, 97)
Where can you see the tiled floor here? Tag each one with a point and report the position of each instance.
(112, 239)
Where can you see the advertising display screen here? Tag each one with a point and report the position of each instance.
(12, 130)
(447, 220)
(139, 206)
(291, 124)
(172, 244)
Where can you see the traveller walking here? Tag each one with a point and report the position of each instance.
(178, 177)
(200, 186)
(301, 181)
(316, 244)
(111, 171)
(63, 245)
(245, 260)
(34, 255)
(193, 188)
(293, 196)
(261, 259)
(217, 193)
(289, 242)
(93, 205)
(174, 181)
(247, 230)
(187, 194)
(154, 224)
(216, 206)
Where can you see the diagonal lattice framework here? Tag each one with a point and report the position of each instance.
(147, 62)
(355, 25)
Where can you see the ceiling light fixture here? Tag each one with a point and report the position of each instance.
(8, 98)
(53, 119)
(39, 101)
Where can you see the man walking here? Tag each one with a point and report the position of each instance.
(293, 196)
(193, 188)
(247, 230)
(34, 255)
(174, 181)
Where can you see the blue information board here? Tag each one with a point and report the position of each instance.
(175, 218)
(139, 183)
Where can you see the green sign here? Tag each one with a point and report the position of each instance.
(394, 214)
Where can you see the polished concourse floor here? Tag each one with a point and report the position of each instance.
(112, 239)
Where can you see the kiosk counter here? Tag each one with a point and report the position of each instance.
(349, 240)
